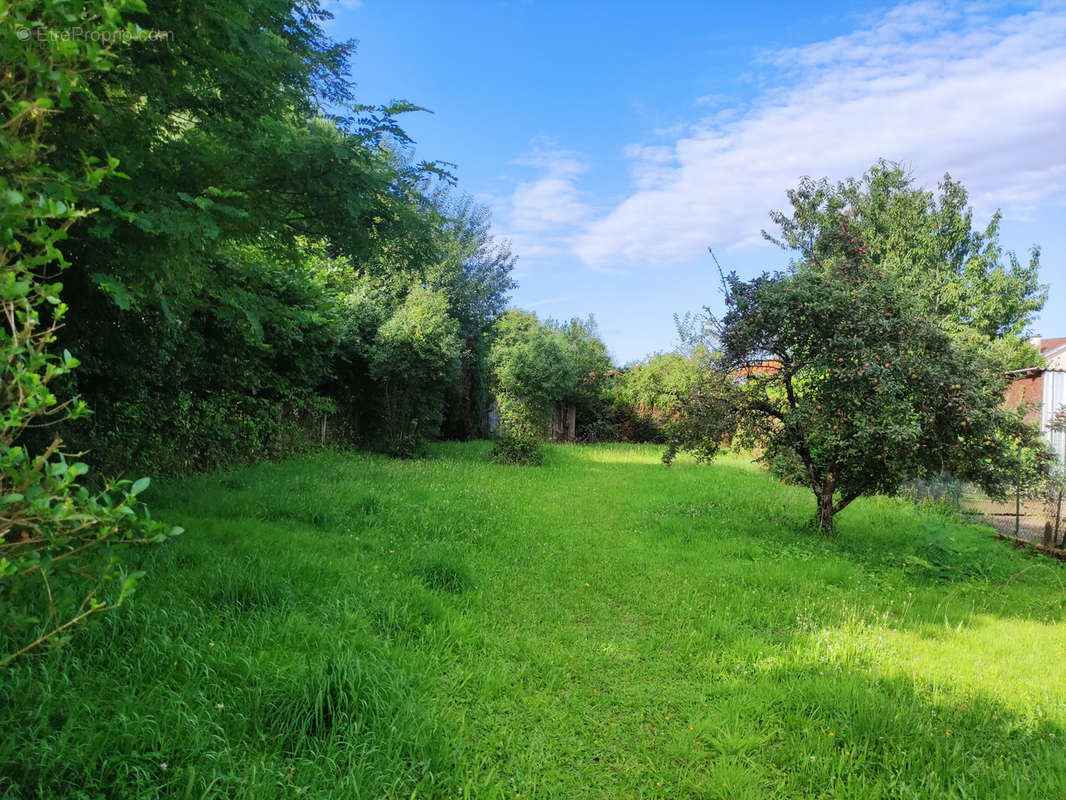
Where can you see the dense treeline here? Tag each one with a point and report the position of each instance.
(270, 269)
(557, 378)
(271, 257)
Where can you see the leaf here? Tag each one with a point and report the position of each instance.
(113, 288)
(140, 485)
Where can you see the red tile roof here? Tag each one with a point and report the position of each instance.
(1047, 345)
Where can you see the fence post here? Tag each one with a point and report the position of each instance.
(1018, 503)
(1058, 518)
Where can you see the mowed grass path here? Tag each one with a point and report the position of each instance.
(346, 626)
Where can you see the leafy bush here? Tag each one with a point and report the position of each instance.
(57, 539)
(653, 392)
(415, 357)
(517, 447)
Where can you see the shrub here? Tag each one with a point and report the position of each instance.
(517, 447)
(57, 539)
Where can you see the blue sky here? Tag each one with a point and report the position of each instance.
(615, 141)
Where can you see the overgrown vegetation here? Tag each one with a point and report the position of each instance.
(352, 626)
(256, 266)
(58, 539)
(542, 372)
(273, 269)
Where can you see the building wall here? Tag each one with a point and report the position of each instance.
(1053, 400)
(1029, 391)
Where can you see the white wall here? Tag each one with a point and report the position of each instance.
(1053, 401)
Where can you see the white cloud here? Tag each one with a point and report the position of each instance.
(938, 86)
(543, 213)
(551, 301)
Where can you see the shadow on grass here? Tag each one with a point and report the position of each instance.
(828, 730)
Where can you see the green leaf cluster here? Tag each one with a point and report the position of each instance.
(845, 375)
(58, 539)
(231, 287)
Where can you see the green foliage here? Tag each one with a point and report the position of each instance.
(540, 369)
(834, 370)
(518, 446)
(231, 288)
(590, 395)
(657, 388)
(474, 271)
(960, 276)
(533, 368)
(241, 376)
(58, 540)
(416, 359)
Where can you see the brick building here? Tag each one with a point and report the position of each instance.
(1044, 389)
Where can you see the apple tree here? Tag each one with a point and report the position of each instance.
(836, 373)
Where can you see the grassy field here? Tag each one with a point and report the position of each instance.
(348, 626)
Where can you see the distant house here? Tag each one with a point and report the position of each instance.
(1044, 389)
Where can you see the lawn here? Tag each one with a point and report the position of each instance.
(349, 626)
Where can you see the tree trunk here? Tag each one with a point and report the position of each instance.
(825, 512)
(824, 491)
(564, 418)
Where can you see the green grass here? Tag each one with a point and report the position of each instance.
(347, 626)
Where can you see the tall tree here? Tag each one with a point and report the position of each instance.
(474, 271)
(837, 373)
(245, 154)
(962, 275)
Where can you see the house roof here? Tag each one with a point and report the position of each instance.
(1050, 345)
(1052, 350)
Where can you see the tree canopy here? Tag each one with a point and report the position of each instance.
(836, 371)
(961, 276)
